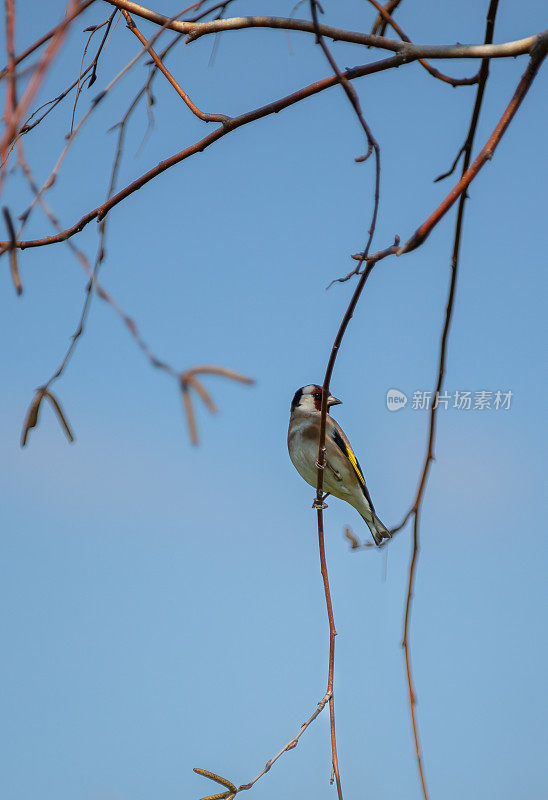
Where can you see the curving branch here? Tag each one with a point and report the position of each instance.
(429, 456)
(71, 138)
(412, 51)
(47, 36)
(164, 70)
(372, 147)
(232, 789)
(235, 122)
(537, 55)
(93, 66)
(423, 231)
(75, 8)
(469, 172)
(190, 381)
(388, 20)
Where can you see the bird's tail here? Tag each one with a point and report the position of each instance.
(378, 530)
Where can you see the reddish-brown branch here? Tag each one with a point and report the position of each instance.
(537, 57)
(538, 54)
(232, 790)
(47, 36)
(379, 26)
(372, 146)
(11, 94)
(163, 69)
(469, 173)
(53, 175)
(332, 634)
(405, 645)
(416, 508)
(207, 141)
(38, 76)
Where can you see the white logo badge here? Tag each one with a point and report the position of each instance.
(395, 400)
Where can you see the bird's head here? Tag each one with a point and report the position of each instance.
(309, 398)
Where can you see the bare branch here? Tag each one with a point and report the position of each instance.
(289, 746)
(379, 26)
(200, 146)
(372, 146)
(537, 57)
(47, 36)
(11, 94)
(182, 94)
(383, 13)
(412, 51)
(93, 66)
(538, 54)
(429, 457)
(37, 78)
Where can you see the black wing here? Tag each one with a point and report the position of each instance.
(345, 448)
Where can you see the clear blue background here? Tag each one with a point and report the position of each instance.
(162, 606)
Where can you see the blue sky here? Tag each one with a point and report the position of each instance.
(163, 605)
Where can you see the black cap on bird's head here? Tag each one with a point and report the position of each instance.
(309, 398)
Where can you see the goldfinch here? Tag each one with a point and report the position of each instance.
(342, 476)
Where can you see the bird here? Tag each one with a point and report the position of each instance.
(343, 477)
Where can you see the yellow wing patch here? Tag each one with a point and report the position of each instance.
(349, 453)
(354, 461)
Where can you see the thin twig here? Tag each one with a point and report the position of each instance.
(53, 175)
(185, 379)
(538, 53)
(379, 26)
(36, 80)
(289, 746)
(93, 65)
(429, 457)
(200, 146)
(163, 69)
(428, 67)
(47, 36)
(11, 94)
(372, 146)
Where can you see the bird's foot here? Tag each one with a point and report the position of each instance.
(319, 505)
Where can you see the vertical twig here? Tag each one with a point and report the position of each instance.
(11, 94)
(37, 78)
(416, 509)
(332, 634)
(372, 146)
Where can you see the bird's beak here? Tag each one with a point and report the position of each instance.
(332, 401)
